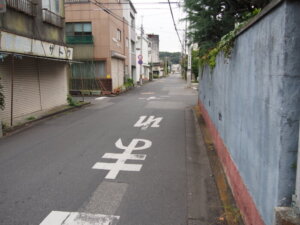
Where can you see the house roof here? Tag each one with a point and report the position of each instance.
(132, 6)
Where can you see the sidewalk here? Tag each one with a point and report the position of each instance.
(231, 214)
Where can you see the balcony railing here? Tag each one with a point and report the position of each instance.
(53, 18)
(76, 1)
(80, 39)
(25, 6)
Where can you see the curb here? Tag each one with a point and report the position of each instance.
(232, 214)
(19, 128)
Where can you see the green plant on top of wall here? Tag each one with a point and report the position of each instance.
(226, 43)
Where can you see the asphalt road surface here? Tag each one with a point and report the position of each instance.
(134, 159)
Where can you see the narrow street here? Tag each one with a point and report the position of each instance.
(128, 160)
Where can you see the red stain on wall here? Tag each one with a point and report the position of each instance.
(240, 192)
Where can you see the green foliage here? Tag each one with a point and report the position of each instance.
(30, 118)
(2, 103)
(173, 57)
(129, 83)
(226, 43)
(195, 63)
(71, 101)
(210, 20)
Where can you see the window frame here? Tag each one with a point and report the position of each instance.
(52, 6)
(119, 35)
(73, 32)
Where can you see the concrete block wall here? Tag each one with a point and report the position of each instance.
(251, 103)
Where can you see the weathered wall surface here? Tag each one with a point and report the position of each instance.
(252, 103)
(32, 26)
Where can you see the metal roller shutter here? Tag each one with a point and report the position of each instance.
(114, 73)
(117, 72)
(121, 72)
(5, 67)
(26, 87)
(54, 83)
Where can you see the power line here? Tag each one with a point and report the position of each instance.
(174, 22)
(112, 9)
(139, 3)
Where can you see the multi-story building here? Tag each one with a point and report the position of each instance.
(99, 34)
(34, 57)
(129, 13)
(143, 48)
(155, 61)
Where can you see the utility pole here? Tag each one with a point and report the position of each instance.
(189, 69)
(184, 48)
(141, 65)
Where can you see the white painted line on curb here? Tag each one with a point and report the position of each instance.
(120, 164)
(75, 218)
(100, 98)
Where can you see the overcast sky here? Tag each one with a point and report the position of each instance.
(157, 19)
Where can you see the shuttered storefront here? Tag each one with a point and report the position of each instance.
(37, 85)
(5, 67)
(117, 72)
(54, 84)
(26, 87)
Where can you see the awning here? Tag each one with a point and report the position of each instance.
(2, 56)
(117, 55)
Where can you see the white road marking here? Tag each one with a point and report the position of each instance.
(120, 165)
(100, 98)
(147, 93)
(144, 123)
(75, 218)
(150, 98)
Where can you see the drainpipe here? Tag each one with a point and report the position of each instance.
(189, 69)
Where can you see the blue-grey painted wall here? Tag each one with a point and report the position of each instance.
(254, 101)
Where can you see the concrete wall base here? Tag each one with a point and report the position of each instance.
(240, 192)
(1, 131)
(286, 216)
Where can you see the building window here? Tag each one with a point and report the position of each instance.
(79, 29)
(51, 13)
(79, 33)
(51, 5)
(132, 21)
(132, 47)
(119, 35)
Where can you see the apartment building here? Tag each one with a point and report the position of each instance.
(34, 57)
(143, 50)
(129, 13)
(99, 34)
(155, 63)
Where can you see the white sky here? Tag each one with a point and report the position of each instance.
(157, 19)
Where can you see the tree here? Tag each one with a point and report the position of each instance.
(195, 63)
(210, 20)
(173, 56)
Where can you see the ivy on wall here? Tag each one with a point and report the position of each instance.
(226, 43)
